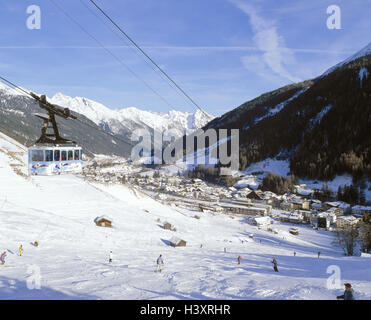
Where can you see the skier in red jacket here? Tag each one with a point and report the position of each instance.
(2, 257)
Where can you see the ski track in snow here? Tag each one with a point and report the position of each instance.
(72, 254)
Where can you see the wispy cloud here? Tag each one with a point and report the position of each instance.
(274, 55)
(185, 49)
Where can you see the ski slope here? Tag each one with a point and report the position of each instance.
(72, 255)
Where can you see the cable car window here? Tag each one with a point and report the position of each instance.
(37, 155)
(70, 155)
(64, 155)
(57, 155)
(77, 155)
(48, 155)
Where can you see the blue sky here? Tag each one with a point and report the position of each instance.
(221, 52)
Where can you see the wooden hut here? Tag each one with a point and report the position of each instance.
(177, 242)
(294, 231)
(167, 225)
(103, 222)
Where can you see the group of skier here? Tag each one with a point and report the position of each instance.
(3, 255)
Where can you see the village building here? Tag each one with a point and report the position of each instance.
(260, 221)
(320, 221)
(255, 195)
(299, 204)
(336, 211)
(284, 205)
(243, 209)
(305, 215)
(345, 207)
(296, 218)
(346, 222)
(316, 205)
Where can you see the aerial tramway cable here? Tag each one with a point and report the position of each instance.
(148, 57)
(129, 45)
(112, 54)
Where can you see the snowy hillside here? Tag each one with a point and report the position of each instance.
(363, 52)
(72, 255)
(124, 121)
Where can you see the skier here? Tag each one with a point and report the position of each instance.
(239, 259)
(274, 261)
(110, 257)
(348, 293)
(225, 249)
(2, 258)
(294, 253)
(160, 262)
(319, 253)
(20, 250)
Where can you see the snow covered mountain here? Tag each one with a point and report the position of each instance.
(72, 255)
(321, 126)
(124, 121)
(17, 120)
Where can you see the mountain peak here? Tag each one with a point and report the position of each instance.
(124, 121)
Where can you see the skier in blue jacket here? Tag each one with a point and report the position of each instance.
(348, 293)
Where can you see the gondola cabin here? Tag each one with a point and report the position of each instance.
(51, 154)
(54, 160)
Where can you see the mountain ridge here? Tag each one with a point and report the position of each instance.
(323, 131)
(124, 121)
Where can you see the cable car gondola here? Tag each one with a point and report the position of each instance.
(51, 154)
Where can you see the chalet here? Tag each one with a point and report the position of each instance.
(335, 211)
(255, 195)
(177, 242)
(292, 218)
(320, 221)
(103, 221)
(346, 221)
(336, 204)
(299, 204)
(260, 221)
(304, 214)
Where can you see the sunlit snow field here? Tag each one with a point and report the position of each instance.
(72, 255)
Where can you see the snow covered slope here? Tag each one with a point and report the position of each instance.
(363, 52)
(124, 121)
(72, 255)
